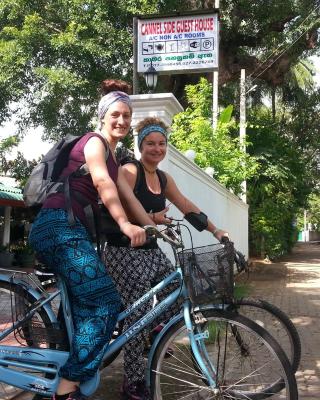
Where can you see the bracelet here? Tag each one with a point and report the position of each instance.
(153, 218)
(215, 231)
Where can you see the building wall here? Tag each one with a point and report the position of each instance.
(225, 209)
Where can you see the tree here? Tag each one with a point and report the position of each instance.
(53, 55)
(276, 194)
(265, 38)
(219, 149)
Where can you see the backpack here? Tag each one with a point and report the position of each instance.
(45, 177)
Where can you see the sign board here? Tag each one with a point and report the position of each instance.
(178, 44)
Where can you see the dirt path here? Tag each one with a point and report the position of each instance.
(294, 285)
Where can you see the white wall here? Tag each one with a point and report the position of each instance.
(225, 209)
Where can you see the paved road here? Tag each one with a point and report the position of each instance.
(293, 285)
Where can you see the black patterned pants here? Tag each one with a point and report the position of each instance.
(135, 272)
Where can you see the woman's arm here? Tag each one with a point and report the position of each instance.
(94, 152)
(186, 206)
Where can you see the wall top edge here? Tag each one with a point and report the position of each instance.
(196, 170)
(143, 100)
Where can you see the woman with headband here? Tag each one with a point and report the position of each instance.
(68, 250)
(136, 270)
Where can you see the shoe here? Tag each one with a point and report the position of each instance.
(135, 391)
(76, 395)
(153, 334)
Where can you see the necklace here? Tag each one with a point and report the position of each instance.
(148, 170)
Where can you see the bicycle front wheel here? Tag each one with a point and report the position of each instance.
(35, 333)
(247, 362)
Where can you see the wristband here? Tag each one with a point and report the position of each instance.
(215, 231)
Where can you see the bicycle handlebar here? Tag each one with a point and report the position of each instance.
(168, 235)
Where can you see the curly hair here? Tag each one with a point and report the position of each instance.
(111, 85)
(150, 121)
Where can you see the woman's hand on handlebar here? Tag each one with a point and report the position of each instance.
(136, 234)
(221, 235)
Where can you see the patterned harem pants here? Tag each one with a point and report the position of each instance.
(94, 299)
(136, 271)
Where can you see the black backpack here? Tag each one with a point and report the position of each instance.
(45, 177)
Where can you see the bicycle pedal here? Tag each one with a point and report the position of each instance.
(199, 318)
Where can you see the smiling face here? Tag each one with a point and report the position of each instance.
(153, 148)
(116, 122)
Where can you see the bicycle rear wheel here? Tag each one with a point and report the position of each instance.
(276, 322)
(248, 362)
(36, 332)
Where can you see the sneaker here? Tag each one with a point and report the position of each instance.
(76, 395)
(135, 391)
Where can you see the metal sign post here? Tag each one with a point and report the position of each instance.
(242, 132)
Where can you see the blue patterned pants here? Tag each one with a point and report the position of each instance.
(94, 299)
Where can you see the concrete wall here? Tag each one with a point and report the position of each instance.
(225, 209)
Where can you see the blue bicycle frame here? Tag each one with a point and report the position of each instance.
(48, 361)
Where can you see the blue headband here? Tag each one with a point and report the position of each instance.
(111, 98)
(148, 129)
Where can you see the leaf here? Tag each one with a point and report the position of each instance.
(225, 115)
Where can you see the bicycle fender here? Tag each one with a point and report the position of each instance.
(159, 336)
(33, 292)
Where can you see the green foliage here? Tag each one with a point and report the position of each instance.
(313, 213)
(53, 56)
(192, 129)
(20, 168)
(278, 192)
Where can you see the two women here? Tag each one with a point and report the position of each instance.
(136, 270)
(68, 249)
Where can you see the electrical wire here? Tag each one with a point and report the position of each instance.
(287, 48)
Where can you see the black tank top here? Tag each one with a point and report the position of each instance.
(151, 202)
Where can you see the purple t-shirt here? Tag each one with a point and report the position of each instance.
(81, 184)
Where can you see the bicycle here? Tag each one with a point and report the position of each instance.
(223, 354)
(262, 312)
(269, 316)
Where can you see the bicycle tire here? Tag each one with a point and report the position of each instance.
(10, 292)
(277, 323)
(171, 379)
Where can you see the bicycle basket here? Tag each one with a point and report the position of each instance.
(208, 272)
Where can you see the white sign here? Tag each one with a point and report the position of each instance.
(178, 44)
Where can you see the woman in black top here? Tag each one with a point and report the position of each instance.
(136, 270)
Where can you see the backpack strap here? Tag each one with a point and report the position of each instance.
(93, 224)
(83, 169)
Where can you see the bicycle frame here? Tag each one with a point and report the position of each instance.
(49, 361)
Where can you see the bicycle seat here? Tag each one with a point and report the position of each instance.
(43, 269)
